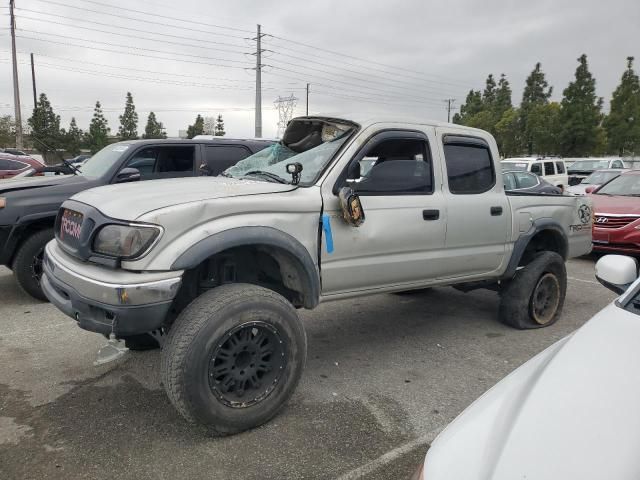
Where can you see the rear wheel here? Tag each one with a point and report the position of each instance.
(535, 296)
(233, 358)
(27, 264)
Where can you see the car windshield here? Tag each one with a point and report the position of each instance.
(598, 178)
(510, 166)
(102, 161)
(589, 165)
(627, 185)
(270, 164)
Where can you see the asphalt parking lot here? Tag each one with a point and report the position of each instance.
(384, 375)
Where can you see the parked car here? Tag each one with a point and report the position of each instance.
(597, 178)
(29, 206)
(581, 168)
(571, 412)
(10, 168)
(553, 170)
(616, 218)
(215, 268)
(527, 182)
(13, 151)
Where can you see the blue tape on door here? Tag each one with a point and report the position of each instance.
(326, 226)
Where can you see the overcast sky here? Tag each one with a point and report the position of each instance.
(369, 57)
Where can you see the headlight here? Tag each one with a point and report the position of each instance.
(125, 241)
(3, 202)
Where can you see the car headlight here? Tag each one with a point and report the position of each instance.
(125, 241)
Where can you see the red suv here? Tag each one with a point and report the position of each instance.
(616, 218)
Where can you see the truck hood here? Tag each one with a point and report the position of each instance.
(128, 201)
(616, 204)
(11, 185)
(570, 412)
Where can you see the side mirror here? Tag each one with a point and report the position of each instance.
(354, 173)
(352, 211)
(128, 174)
(617, 272)
(590, 189)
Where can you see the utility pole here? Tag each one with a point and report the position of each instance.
(258, 108)
(449, 107)
(16, 90)
(33, 82)
(307, 99)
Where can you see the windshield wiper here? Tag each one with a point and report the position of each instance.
(68, 164)
(269, 175)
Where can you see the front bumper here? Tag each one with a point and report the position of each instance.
(129, 304)
(617, 240)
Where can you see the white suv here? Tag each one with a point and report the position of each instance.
(553, 170)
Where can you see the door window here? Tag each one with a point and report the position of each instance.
(617, 164)
(536, 168)
(220, 157)
(396, 166)
(525, 180)
(469, 167)
(548, 168)
(11, 165)
(163, 162)
(509, 181)
(560, 167)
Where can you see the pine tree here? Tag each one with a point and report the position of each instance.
(503, 97)
(45, 126)
(209, 126)
(580, 116)
(154, 129)
(197, 128)
(536, 92)
(219, 130)
(98, 136)
(73, 138)
(128, 120)
(544, 128)
(623, 122)
(489, 94)
(509, 133)
(472, 106)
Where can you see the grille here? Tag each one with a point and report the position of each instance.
(606, 221)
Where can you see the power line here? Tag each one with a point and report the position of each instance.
(119, 67)
(84, 9)
(92, 22)
(119, 45)
(133, 53)
(138, 37)
(190, 21)
(360, 87)
(332, 52)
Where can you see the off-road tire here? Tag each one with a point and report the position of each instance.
(141, 342)
(206, 326)
(524, 302)
(27, 263)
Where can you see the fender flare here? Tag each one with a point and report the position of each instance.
(257, 235)
(523, 241)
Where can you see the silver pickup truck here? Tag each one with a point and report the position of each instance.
(213, 269)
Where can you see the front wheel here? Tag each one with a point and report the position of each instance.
(233, 358)
(27, 263)
(534, 298)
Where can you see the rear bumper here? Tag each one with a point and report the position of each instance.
(125, 308)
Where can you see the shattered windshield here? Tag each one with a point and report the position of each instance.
(312, 144)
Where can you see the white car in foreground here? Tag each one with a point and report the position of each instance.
(571, 412)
